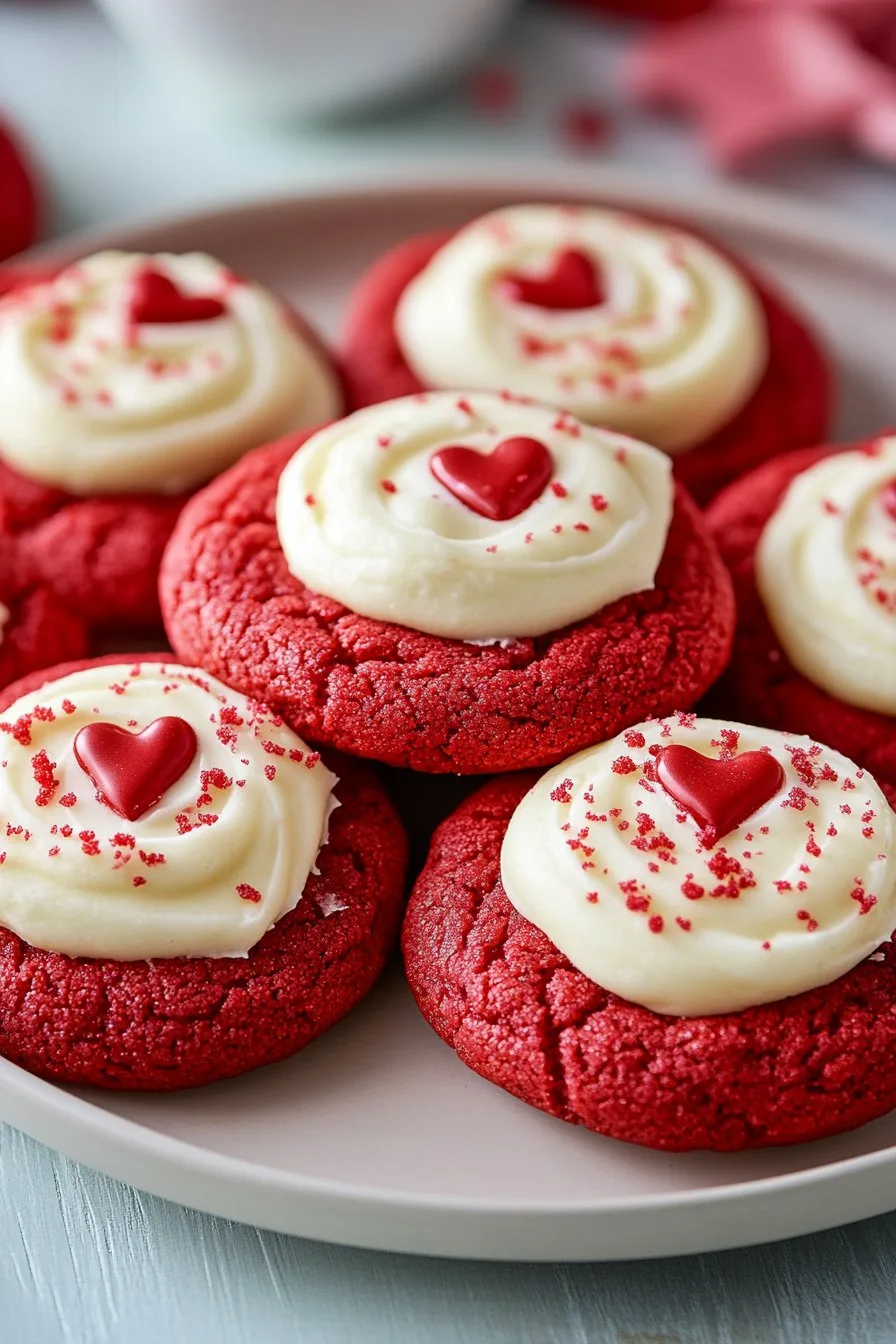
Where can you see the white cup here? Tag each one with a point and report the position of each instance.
(276, 58)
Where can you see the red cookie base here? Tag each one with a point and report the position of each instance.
(761, 686)
(40, 630)
(167, 1024)
(18, 197)
(790, 408)
(411, 699)
(517, 1012)
(99, 553)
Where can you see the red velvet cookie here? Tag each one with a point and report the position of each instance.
(18, 197)
(761, 683)
(520, 1013)
(438, 702)
(756, 399)
(162, 1022)
(36, 629)
(155, 374)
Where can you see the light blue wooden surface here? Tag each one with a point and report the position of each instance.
(85, 1260)
(88, 1261)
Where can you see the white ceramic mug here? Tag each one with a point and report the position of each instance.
(274, 58)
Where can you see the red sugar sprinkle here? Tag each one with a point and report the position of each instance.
(691, 889)
(636, 903)
(68, 706)
(599, 503)
(464, 406)
(151, 860)
(272, 749)
(491, 550)
(623, 765)
(247, 893)
(861, 897)
(123, 840)
(139, 881)
(229, 714)
(593, 897)
(634, 739)
(68, 800)
(656, 923)
(682, 923)
(562, 793)
(270, 772)
(53, 852)
(296, 755)
(47, 783)
(559, 489)
(766, 947)
(217, 779)
(389, 486)
(89, 843)
(309, 500)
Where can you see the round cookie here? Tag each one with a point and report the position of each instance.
(18, 197)
(36, 629)
(520, 1012)
(468, 698)
(756, 398)
(761, 683)
(163, 1022)
(130, 380)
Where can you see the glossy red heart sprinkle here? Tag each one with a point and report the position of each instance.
(156, 299)
(497, 485)
(133, 770)
(572, 282)
(719, 794)
(888, 499)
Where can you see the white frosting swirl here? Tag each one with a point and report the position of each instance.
(95, 404)
(205, 872)
(362, 519)
(601, 858)
(673, 352)
(826, 571)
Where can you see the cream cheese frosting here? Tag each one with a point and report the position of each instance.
(364, 515)
(98, 401)
(205, 871)
(626, 882)
(674, 345)
(826, 572)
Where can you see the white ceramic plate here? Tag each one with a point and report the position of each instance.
(377, 1135)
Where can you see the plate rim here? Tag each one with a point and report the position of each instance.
(35, 1101)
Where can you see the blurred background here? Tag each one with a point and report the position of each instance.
(126, 108)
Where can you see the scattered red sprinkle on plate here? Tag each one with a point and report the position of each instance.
(585, 126)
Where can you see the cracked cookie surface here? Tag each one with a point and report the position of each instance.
(516, 1011)
(409, 699)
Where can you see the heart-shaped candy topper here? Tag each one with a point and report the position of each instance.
(156, 299)
(497, 485)
(132, 771)
(719, 794)
(888, 499)
(573, 281)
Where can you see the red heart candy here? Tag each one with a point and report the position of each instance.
(572, 282)
(499, 484)
(156, 299)
(888, 499)
(133, 770)
(719, 794)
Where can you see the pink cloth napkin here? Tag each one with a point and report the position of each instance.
(757, 73)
